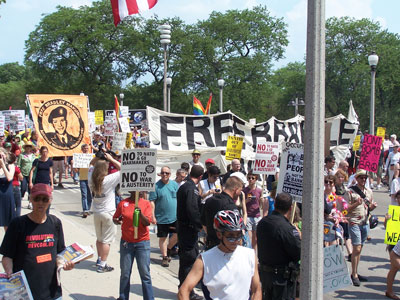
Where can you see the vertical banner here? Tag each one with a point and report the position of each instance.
(267, 154)
(356, 143)
(138, 170)
(392, 233)
(99, 117)
(2, 125)
(291, 170)
(61, 121)
(92, 121)
(234, 147)
(381, 131)
(336, 273)
(370, 153)
(119, 140)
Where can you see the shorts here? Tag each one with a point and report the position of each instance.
(396, 248)
(164, 229)
(58, 166)
(358, 234)
(252, 223)
(105, 227)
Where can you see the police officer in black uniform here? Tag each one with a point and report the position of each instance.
(189, 224)
(278, 251)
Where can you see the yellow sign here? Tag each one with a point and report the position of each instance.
(381, 131)
(98, 117)
(356, 143)
(234, 147)
(392, 233)
(128, 141)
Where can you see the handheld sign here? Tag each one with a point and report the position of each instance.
(118, 142)
(392, 233)
(2, 125)
(98, 117)
(336, 274)
(128, 142)
(291, 170)
(124, 123)
(356, 143)
(82, 160)
(381, 131)
(110, 127)
(234, 147)
(267, 154)
(92, 122)
(370, 153)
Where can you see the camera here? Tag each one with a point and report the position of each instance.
(217, 190)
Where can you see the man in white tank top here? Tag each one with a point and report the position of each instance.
(228, 271)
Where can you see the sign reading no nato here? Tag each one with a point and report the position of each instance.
(138, 170)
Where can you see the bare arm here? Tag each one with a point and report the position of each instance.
(116, 163)
(244, 208)
(8, 172)
(7, 265)
(51, 178)
(31, 176)
(194, 276)
(153, 207)
(255, 286)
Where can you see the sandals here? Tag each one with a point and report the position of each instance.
(391, 296)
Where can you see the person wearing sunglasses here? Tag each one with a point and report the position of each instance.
(31, 244)
(163, 202)
(228, 271)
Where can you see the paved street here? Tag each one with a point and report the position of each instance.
(84, 283)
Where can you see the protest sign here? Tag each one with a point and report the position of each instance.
(118, 144)
(267, 154)
(137, 117)
(234, 147)
(92, 121)
(392, 233)
(2, 125)
(291, 170)
(124, 111)
(110, 127)
(14, 123)
(138, 170)
(98, 117)
(128, 142)
(16, 117)
(109, 114)
(356, 143)
(370, 153)
(82, 160)
(336, 274)
(123, 122)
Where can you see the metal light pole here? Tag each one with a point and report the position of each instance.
(165, 38)
(373, 62)
(121, 96)
(221, 83)
(169, 82)
(296, 103)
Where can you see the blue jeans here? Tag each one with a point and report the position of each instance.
(86, 195)
(25, 186)
(128, 252)
(17, 199)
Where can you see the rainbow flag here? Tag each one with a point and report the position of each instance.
(117, 110)
(198, 108)
(207, 112)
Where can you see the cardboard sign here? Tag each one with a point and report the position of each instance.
(267, 154)
(234, 147)
(98, 117)
(356, 143)
(370, 153)
(2, 125)
(118, 144)
(82, 160)
(336, 273)
(138, 170)
(381, 131)
(392, 233)
(124, 123)
(291, 170)
(128, 142)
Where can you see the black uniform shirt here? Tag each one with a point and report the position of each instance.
(277, 246)
(189, 200)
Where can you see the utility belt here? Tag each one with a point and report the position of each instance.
(289, 272)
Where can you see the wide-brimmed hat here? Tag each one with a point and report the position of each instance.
(361, 173)
(28, 144)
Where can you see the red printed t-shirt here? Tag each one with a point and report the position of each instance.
(125, 209)
(15, 181)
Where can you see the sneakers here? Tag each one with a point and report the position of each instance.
(104, 269)
(85, 214)
(165, 261)
(98, 261)
(378, 186)
(194, 296)
(356, 281)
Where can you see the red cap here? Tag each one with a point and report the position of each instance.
(41, 189)
(210, 161)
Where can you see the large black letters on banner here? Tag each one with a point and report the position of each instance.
(236, 130)
(262, 131)
(219, 130)
(294, 129)
(343, 130)
(279, 130)
(165, 133)
(203, 129)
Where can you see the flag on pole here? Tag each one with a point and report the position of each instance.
(207, 112)
(117, 110)
(198, 108)
(124, 8)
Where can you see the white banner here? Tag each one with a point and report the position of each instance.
(291, 170)
(124, 111)
(267, 154)
(82, 160)
(123, 122)
(336, 274)
(2, 125)
(110, 126)
(118, 143)
(138, 170)
(18, 121)
(92, 121)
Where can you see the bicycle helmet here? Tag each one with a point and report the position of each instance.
(228, 220)
(373, 222)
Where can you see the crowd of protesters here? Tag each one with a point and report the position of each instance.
(252, 234)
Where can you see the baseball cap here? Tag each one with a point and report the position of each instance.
(41, 189)
(195, 151)
(241, 176)
(210, 161)
(393, 136)
(7, 145)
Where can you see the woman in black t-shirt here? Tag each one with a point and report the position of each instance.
(42, 169)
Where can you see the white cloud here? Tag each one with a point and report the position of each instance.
(77, 3)
(382, 21)
(353, 8)
(250, 4)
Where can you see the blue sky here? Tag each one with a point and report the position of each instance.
(19, 18)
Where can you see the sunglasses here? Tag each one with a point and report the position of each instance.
(44, 199)
(363, 177)
(251, 178)
(165, 173)
(328, 182)
(234, 239)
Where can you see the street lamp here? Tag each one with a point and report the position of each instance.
(165, 39)
(373, 62)
(169, 82)
(121, 96)
(82, 94)
(296, 103)
(221, 83)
